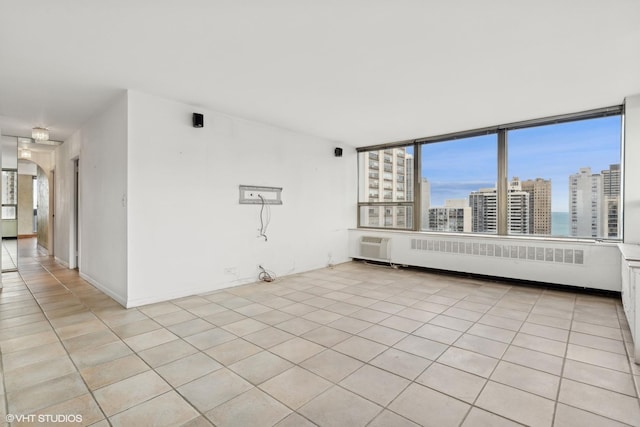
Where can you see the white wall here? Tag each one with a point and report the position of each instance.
(101, 145)
(631, 170)
(187, 233)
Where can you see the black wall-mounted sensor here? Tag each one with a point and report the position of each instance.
(198, 120)
(338, 152)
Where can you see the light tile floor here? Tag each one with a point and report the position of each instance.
(351, 345)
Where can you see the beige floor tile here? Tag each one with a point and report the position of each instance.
(600, 331)
(28, 341)
(89, 341)
(526, 379)
(597, 357)
(244, 327)
(113, 371)
(159, 309)
(603, 402)
(19, 359)
(544, 331)
(454, 382)
(601, 377)
(350, 325)
(190, 327)
(388, 418)
(600, 343)
(150, 339)
(295, 420)
(251, 408)
(322, 316)
(326, 336)
(388, 307)
(423, 406)
(200, 421)
(84, 406)
(401, 363)
(210, 338)
(23, 330)
(129, 392)
(298, 309)
(260, 367)
(36, 373)
(233, 351)
(31, 399)
(481, 345)
(555, 322)
(501, 322)
(543, 345)
(469, 361)
(139, 327)
(421, 347)
(481, 418)
(297, 349)
(338, 407)
(517, 405)
(568, 416)
(168, 409)
(451, 323)
(173, 318)
(343, 308)
(168, 352)
(295, 387)
(438, 333)
(375, 384)
(492, 332)
(297, 326)
(268, 337)
(331, 365)
(213, 389)
(383, 335)
(82, 328)
(187, 369)
(224, 318)
(534, 359)
(360, 348)
(273, 317)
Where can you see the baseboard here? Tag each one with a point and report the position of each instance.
(118, 298)
(26, 236)
(61, 262)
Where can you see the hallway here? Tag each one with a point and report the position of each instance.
(351, 345)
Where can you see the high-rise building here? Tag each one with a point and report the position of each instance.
(585, 204)
(611, 202)
(387, 177)
(484, 209)
(539, 205)
(455, 216)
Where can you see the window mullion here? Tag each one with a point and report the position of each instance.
(502, 186)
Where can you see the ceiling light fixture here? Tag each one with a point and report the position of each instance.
(40, 134)
(25, 154)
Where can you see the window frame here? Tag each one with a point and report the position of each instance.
(502, 163)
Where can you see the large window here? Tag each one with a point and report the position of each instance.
(386, 188)
(557, 177)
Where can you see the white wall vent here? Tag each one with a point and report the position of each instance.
(497, 250)
(375, 247)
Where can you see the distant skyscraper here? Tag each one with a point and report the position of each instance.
(484, 208)
(585, 204)
(454, 216)
(539, 205)
(611, 202)
(387, 176)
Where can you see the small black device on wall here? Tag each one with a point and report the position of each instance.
(198, 120)
(338, 152)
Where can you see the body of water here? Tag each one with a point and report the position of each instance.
(560, 223)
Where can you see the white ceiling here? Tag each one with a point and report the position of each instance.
(356, 71)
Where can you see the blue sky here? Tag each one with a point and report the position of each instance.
(457, 168)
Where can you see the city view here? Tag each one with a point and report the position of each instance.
(564, 180)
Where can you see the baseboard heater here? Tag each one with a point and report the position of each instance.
(375, 248)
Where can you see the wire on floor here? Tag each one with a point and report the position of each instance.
(265, 275)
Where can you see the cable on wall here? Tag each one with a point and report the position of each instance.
(264, 219)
